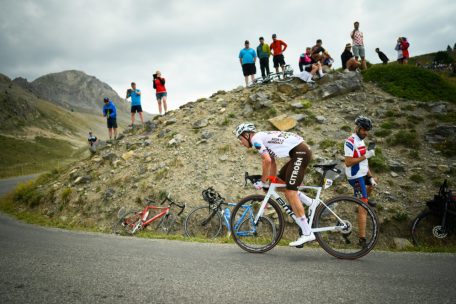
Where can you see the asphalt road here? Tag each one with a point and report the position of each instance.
(41, 265)
(8, 184)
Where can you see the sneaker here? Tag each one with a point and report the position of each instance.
(303, 239)
(372, 203)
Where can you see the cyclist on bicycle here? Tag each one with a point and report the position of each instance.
(357, 167)
(278, 144)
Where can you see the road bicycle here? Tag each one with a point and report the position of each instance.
(436, 226)
(285, 76)
(338, 224)
(133, 221)
(208, 221)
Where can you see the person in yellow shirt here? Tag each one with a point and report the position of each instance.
(264, 52)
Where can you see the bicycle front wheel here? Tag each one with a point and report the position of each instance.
(203, 222)
(128, 224)
(167, 224)
(259, 237)
(355, 227)
(427, 230)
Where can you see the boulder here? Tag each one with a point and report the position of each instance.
(396, 166)
(283, 122)
(126, 156)
(285, 88)
(200, 123)
(342, 84)
(110, 156)
(320, 119)
(401, 243)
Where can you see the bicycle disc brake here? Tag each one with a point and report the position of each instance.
(439, 232)
(346, 228)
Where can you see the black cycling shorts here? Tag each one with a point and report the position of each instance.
(293, 171)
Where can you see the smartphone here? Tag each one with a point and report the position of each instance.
(371, 146)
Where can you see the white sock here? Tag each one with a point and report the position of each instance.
(302, 223)
(305, 199)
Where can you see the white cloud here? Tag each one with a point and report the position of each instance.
(196, 43)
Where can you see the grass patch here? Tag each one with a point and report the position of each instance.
(417, 178)
(410, 82)
(346, 128)
(448, 117)
(447, 147)
(306, 103)
(378, 162)
(405, 138)
(327, 143)
(382, 132)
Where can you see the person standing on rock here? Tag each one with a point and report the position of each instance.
(277, 144)
(264, 52)
(357, 169)
(278, 47)
(358, 45)
(110, 112)
(160, 91)
(247, 58)
(135, 95)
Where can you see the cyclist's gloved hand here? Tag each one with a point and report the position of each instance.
(258, 185)
(370, 153)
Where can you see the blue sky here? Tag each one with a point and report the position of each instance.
(195, 44)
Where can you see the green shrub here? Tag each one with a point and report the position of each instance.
(417, 178)
(378, 162)
(405, 138)
(400, 216)
(65, 195)
(346, 128)
(382, 132)
(327, 143)
(306, 104)
(27, 194)
(410, 82)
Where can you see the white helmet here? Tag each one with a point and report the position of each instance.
(244, 127)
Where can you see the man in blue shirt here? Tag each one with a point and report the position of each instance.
(247, 58)
(110, 112)
(135, 96)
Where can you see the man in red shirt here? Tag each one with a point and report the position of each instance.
(277, 52)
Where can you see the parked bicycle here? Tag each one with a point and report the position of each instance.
(278, 77)
(133, 221)
(208, 221)
(335, 222)
(436, 226)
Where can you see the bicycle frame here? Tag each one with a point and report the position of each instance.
(277, 184)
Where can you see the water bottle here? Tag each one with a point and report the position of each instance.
(227, 213)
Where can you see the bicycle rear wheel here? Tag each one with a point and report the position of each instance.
(356, 225)
(259, 237)
(203, 222)
(128, 224)
(427, 230)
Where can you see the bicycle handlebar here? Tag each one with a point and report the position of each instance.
(171, 202)
(252, 178)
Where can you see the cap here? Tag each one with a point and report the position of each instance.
(348, 45)
(274, 36)
(106, 99)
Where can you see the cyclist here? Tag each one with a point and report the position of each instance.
(278, 144)
(357, 168)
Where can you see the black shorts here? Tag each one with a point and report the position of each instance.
(278, 60)
(112, 123)
(249, 69)
(293, 171)
(136, 109)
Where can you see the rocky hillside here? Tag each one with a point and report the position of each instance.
(192, 148)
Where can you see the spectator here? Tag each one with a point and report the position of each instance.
(308, 64)
(357, 169)
(358, 45)
(110, 112)
(318, 52)
(160, 91)
(349, 63)
(135, 95)
(382, 56)
(399, 50)
(93, 142)
(404, 47)
(264, 52)
(277, 52)
(247, 58)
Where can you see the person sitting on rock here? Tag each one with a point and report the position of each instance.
(349, 63)
(308, 64)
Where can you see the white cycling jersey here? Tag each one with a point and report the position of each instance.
(277, 143)
(355, 147)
